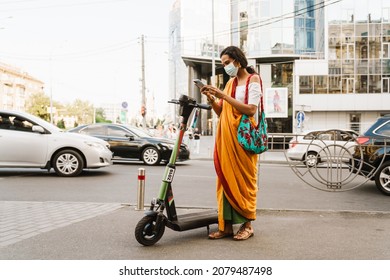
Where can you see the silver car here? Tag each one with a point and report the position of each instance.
(314, 147)
(28, 141)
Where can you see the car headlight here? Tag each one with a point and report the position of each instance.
(167, 146)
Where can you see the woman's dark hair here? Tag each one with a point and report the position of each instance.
(238, 55)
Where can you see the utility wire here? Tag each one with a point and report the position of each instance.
(151, 39)
(265, 22)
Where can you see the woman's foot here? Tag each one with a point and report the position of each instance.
(221, 234)
(245, 231)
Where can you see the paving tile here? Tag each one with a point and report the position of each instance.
(24, 219)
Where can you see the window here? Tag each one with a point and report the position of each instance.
(386, 85)
(354, 122)
(15, 123)
(348, 85)
(361, 84)
(334, 84)
(384, 129)
(94, 130)
(117, 131)
(348, 51)
(320, 84)
(346, 136)
(386, 50)
(305, 84)
(374, 84)
(310, 39)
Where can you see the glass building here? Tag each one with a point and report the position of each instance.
(331, 57)
(352, 88)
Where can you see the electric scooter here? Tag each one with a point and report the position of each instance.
(151, 227)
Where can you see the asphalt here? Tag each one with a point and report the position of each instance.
(51, 230)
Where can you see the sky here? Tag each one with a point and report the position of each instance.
(89, 49)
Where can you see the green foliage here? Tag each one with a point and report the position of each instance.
(100, 116)
(82, 110)
(38, 105)
(61, 124)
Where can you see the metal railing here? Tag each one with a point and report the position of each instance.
(279, 141)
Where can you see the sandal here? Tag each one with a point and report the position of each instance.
(220, 234)
(243, 233)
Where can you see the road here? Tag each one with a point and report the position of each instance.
(193, 186)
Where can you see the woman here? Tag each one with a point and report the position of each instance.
(236, 168)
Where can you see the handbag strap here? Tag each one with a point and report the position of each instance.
(235, 82)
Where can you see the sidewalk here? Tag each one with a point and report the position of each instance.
(279, 235)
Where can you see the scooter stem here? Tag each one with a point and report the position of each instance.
(170, 168)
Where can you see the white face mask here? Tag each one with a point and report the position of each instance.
(231, 70)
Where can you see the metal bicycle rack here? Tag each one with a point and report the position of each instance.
(333, 165)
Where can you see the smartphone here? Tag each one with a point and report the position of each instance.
(198, 83)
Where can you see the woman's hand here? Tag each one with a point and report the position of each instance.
(212, 91)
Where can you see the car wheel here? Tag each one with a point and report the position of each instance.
(151, 156)
(311, 159)
(68, 163)
(382, 178)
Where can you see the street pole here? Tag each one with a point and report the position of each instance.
(143, 105)
(51, 89)
(214, 118)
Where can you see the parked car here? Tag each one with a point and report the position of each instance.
(314, 147)
(372, 157)
(28, 141)
(128, 142)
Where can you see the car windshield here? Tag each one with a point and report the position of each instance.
(139, 132)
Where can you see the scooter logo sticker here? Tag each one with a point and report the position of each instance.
(170, 174)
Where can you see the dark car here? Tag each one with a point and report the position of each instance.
(372, 156)
(127, 142)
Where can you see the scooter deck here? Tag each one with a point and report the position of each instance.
(194, 220)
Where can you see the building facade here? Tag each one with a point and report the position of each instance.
(330, 58)
(350, 88)
(16, 86)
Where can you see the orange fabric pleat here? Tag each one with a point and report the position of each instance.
(236, 168)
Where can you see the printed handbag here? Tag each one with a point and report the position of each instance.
(253, 138)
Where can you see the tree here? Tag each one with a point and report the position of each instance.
(61, 124)
(100, 116)
(38, 105)
(82, 110)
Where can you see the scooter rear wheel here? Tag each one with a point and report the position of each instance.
(147, 232)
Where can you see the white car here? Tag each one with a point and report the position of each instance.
(28, 141)
(314, 147)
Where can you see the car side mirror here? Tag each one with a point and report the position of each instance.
(131, 137)
(38, 129)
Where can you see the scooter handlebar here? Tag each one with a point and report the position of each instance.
(196, 105)
(204, 106)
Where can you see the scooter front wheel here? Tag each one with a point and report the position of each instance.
(147, 232)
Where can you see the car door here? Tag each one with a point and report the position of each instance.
(19, 145)
(123, 142)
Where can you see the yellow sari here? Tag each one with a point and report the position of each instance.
(236, 168)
